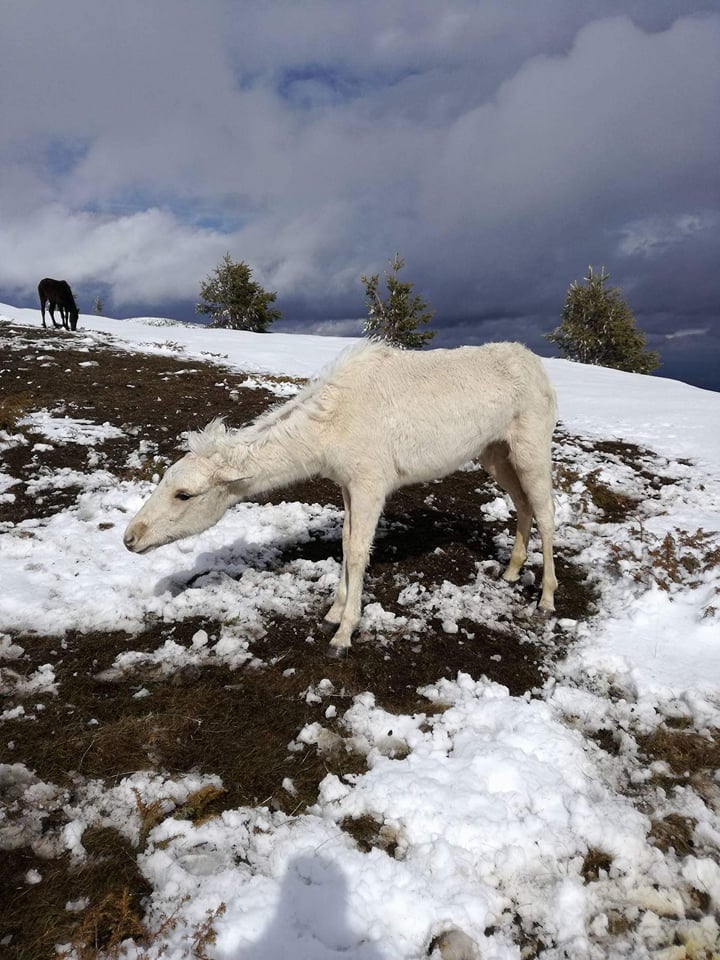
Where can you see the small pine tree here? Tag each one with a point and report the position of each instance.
(233, 300)
(598, 327)
(395, 319)
(99, 307)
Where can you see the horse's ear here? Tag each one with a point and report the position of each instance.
(228, 474)
(236, 480)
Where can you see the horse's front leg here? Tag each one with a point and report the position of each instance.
(333, 617)
(365, 508)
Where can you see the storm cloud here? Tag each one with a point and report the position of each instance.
(499, 148)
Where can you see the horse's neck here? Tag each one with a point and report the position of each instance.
(284, 451)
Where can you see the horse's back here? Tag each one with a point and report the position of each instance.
(49, 286)
(428, 412)
(496, 379)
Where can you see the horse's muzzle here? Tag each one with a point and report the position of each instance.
(133, 537)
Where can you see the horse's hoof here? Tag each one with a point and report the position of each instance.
(326, 626)
(337, 653)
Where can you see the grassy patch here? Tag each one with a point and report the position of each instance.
(674, 832)
(616, 507)
(94, 904)
(595, 863)
(370, 834)
(13, 407)
(686, 752)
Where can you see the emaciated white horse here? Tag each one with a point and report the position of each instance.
(380, 419)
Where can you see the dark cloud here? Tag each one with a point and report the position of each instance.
(500, 148)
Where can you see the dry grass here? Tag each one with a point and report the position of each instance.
(686, 752)
(13, 407)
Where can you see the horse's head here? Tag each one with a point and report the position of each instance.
(192, 496)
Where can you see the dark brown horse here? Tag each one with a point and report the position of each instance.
(57, 293)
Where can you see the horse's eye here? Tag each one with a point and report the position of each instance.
(182, 496)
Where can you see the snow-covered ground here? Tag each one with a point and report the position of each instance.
(496, 800)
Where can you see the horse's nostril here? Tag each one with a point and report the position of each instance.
(133, 535)
(130, 539)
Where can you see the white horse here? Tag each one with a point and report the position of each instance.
(380, 419)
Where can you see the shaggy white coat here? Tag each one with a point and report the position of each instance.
(379, 419)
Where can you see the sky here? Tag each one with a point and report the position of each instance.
(494, 802)
(499, 148)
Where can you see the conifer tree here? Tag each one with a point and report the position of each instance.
(234, 300)
(598, 327)
(396, 318)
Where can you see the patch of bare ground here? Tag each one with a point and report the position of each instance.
(96, 903)
(150, 397)
(682, 758)
(685, 752)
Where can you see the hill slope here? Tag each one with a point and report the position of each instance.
(179, 761)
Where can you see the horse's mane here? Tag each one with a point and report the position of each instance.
(312, 402)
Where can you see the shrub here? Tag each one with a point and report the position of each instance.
(598, 327)
(396, 318)
(233, 300)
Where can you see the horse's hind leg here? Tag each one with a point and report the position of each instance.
(495, 459)
(42, 310)
(51, 307)
(531, 460)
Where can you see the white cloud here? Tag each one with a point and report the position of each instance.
(689, 332)
(654, 235)
(146, 255)
(496, 147)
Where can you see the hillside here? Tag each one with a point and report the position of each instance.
(185, 773)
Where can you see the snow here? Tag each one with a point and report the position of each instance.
(673, 418)
(646, 642)
(276, 353)
(493, 802)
